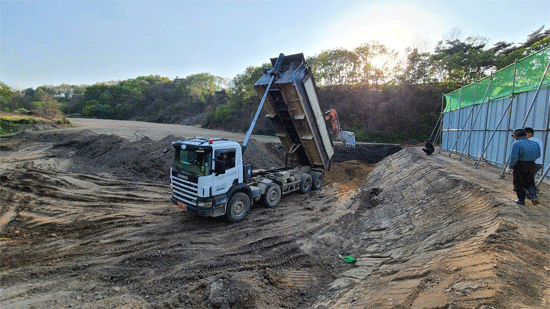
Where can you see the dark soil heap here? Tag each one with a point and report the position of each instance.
(146, 159)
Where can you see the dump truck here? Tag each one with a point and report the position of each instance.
(208, 176)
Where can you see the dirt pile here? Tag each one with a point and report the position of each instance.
(366, 153)
(43, 126)
(146, 159)
(264, 155)
(426, 231)
(348, 176)
(140, 160)
(83, 240)
(438, 234)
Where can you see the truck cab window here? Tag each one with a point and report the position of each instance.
(227, 157)
(193, 161)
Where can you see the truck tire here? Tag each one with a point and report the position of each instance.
(238, 207)
(316, 180)
(305, 183)
(272, 195)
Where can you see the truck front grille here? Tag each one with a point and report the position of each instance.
(184, 191)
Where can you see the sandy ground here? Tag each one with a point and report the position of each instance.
(135, 130)
(86, 222)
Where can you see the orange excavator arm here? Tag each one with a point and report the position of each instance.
(331, 116)
(348, 138)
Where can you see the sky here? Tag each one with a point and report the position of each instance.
(89, 42)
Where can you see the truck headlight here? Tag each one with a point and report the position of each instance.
(205, 204)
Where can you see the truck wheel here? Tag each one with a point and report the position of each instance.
(305, 184)
(272, 195)
(317, 180)
(238, 207)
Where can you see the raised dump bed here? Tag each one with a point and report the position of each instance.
(292, 106)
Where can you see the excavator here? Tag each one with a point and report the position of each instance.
(348, 138)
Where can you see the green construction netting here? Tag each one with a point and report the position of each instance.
(527, 77)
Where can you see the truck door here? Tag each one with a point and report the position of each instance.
(225, 170)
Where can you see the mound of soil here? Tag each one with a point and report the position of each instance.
(141, 160)
(426, 232)
(98, 239)
(437, 233)
(349, 175)
(364, 153)
(146, 159)
(43, 126)
(264, 155)
(411, 143)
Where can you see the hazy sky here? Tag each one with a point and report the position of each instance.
(86, 42)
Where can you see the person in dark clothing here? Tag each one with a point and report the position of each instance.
(222, 164)
(522, 163)
(531, 136)
(428, 147)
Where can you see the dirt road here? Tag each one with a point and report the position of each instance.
(135, 130)
(86, 222)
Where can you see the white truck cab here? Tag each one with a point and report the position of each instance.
(205, 172)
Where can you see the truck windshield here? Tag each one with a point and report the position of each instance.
(193, 161)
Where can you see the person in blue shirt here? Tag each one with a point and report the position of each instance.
(531, 136)
(522, 162)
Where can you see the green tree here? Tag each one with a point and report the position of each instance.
(335, 67)
(417, 68)
(39, 94)
(242, 101)
(50, 107)
(73, 99)
(507, 54)
(375, 63)
(123, 111)
(94, 92)
(6, 95)
(95, 109)
(106, 98)
(462, 62)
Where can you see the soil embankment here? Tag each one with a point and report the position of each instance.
(85, 221)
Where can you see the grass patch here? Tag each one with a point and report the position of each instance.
(22, 119)
(14, 123)
(9, 127)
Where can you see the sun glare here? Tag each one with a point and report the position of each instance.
(397, 25)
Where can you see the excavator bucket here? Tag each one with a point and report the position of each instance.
(348, 138)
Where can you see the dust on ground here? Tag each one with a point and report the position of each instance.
(86, 222)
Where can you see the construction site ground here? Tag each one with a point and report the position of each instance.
(86, 222)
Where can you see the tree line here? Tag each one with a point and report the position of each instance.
(379, 96)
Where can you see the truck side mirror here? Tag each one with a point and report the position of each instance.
(220, 167)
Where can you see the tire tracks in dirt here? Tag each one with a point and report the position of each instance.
(453, 240)
(427, 232)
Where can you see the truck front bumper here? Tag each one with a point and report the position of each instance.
(209, 207)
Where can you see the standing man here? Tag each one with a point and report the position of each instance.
(522, 161)
(531, 136)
